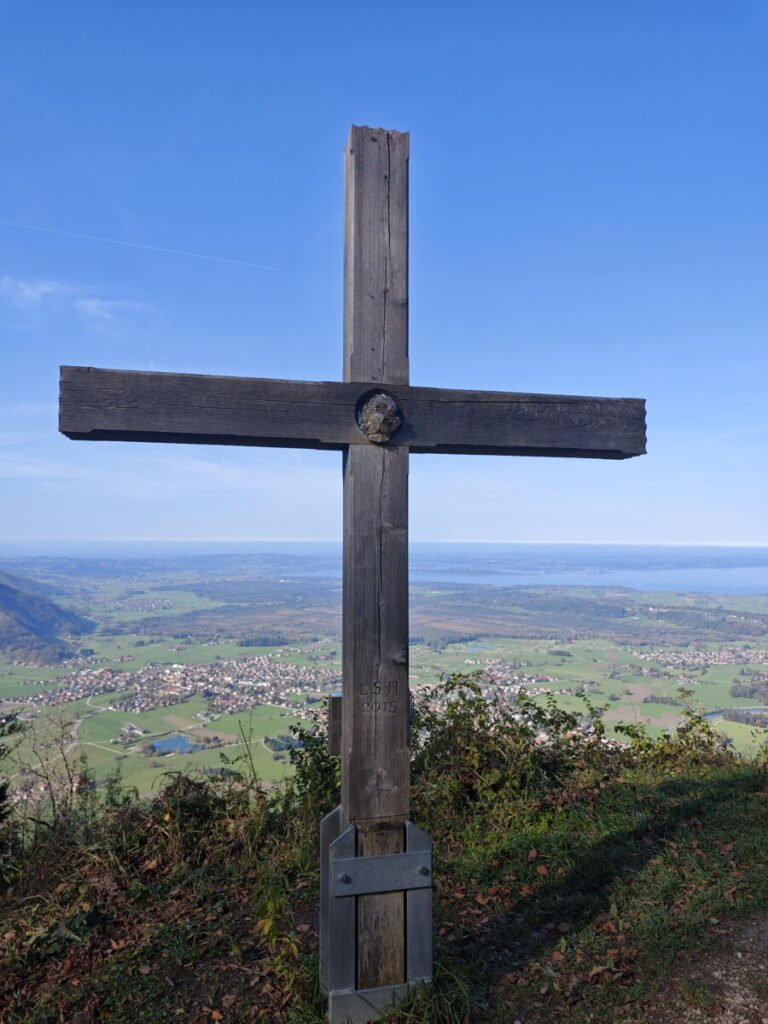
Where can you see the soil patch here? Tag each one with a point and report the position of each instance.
(667, 719)
(177, 720)
(726, 982)
(223, 737)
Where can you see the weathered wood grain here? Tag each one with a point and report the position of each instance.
(375, 763)
(375, 743)
(334, 724)
(379, 918)
(376, 252)
(99, 404)
(375, 708)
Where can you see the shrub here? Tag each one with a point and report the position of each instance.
(9, 726)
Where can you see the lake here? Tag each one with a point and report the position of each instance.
(175, 745)
(647, 567)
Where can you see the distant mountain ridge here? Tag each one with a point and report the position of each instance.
(31, 625)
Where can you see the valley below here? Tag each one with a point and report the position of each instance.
(209, 662)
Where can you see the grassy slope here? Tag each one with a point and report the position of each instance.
(569, 896)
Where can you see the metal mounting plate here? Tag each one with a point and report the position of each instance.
(338, 916)
(357, 876)
(368, 1004)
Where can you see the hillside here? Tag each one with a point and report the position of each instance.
(575, 881)
(31, 625)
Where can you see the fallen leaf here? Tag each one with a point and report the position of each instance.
(145, 969)
(557, 956)
(228, 1001)
(597, 970)
(60, 887)
(542, 869)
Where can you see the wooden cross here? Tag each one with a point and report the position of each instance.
(375, 418)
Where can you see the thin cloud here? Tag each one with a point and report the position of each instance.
(142, 476)
(106, 309)
(138, 245)
(27, 294)
(17, 467)
(35, 294)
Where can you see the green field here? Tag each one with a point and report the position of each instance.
(604, 668)
(101, 726)
(138, 653)
(88, 727)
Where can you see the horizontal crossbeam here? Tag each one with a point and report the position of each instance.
(126, 405)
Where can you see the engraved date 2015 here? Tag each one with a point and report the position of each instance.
(378, 696)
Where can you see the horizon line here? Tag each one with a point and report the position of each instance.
(413, 540)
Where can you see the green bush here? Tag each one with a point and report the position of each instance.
(9, 726)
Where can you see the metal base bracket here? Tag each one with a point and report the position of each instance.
(343, 877)
(366, 1004)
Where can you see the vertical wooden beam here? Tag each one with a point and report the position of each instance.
(375, 754)
(376, 256)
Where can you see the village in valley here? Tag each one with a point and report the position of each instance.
(186, 671)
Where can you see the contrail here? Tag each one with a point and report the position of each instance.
(136, 245)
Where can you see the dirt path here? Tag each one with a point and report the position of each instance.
(727, 982)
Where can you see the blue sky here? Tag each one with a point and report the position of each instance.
(588, 216)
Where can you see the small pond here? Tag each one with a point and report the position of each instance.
(175, 745)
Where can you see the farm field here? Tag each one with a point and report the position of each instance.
(607, 673)
(88, 728)
(266, 638)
